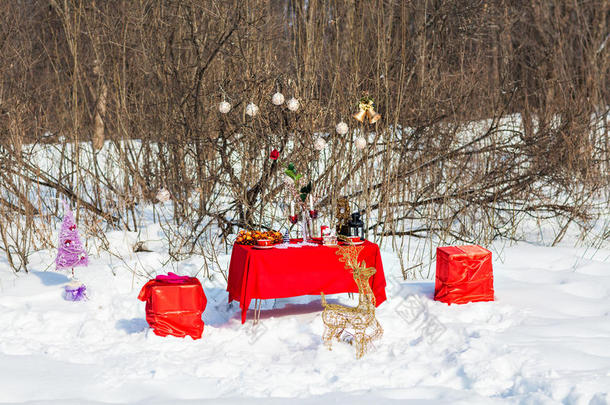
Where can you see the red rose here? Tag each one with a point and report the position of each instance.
(274, 154)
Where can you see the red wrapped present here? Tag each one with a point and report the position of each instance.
(174, 305)
(463, 274)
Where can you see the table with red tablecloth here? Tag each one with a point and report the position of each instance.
(294, 271)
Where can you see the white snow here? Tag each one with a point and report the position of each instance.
(545, 340)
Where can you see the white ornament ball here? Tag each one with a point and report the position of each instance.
(163, 195)
(319, 144)
(224, 107)
(293, 104)
(360, 143)
(342, 128)
(277, 99)
(251, 109)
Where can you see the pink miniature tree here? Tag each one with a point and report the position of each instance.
(70, 251)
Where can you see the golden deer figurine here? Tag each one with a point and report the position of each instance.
(359, 321)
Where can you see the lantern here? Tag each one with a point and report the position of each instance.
(356, 226)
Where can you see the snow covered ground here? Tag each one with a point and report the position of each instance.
(545, 340)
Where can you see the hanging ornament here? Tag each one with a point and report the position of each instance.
(224, 107)
(293, 104)
(319, 144)
(163, 195)
(274, 154)
(360, 143)
(278, 98)
(342, 128)
(373, 115)
(251, 109)
(366, 110)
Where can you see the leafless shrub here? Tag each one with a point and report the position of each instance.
(493, 113)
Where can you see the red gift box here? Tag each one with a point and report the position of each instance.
(463, 274)
(174, 305)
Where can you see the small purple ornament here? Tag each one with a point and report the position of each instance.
(75, 292)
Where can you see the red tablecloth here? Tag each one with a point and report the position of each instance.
(307, 270)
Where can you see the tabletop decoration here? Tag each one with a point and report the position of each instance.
(356, 226)
(343, 216)
(358, 322)
(251, 237)
(329, 238)
(299, 196)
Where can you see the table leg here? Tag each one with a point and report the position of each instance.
(257, 311)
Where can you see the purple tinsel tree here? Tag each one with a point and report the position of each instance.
(70, 251)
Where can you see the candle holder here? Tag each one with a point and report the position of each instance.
(313, 214)
(304, 228)
(293, 220)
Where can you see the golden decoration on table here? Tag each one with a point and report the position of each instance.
(343, 216)
(359, 322)
(366, 110)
